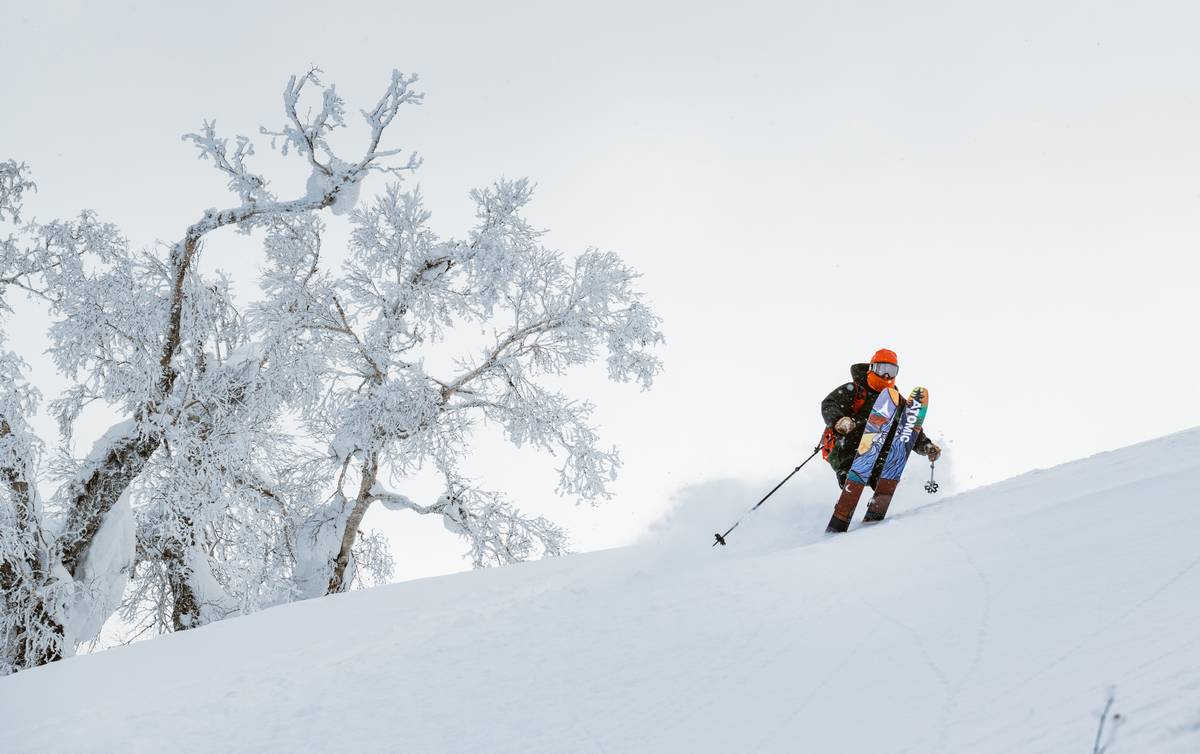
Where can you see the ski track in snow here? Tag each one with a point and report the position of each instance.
(981, 636)
(1092, 635)
(1123, 616)
(990, 622)
(947, 689)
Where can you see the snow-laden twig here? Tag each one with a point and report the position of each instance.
(249, 187)
(13, 184)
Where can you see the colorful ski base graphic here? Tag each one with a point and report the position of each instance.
(883, 413)
(912, 418)
(876, 432)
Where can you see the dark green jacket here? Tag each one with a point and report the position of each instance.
(839, 403)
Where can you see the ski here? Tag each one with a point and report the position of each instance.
(909, 429)
(879, 423)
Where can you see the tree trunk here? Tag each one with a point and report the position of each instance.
(185, 607)
(338, 581)
(99, 492)
(96, 495)
(22, 580)
(21, 588)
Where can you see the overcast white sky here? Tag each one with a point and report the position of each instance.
(1007, 194)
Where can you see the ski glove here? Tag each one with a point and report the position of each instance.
(844, 426)
(933, 452)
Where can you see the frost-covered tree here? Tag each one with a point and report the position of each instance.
(382, 414)
(255, 438)
(31, 623)
(142, 333)
(31, 614)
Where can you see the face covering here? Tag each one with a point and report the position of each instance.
(878, 384)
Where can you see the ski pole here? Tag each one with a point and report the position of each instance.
(721, 537)
(931, 486)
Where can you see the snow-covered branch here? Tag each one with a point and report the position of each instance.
(398, 94)
(497, 532)
(306, 137)
(249, 187)
(13, 184)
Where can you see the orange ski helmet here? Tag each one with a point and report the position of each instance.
(883, 369)
(885, 356)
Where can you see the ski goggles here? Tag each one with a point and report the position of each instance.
(885, 370)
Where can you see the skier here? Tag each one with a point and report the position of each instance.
(846, 409)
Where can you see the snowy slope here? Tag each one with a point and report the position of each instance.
(992, 621)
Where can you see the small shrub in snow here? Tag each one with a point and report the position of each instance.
(1113, 720)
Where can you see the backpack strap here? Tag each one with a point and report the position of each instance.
(860, 398)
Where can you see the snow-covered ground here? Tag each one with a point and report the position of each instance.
(991, 621)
